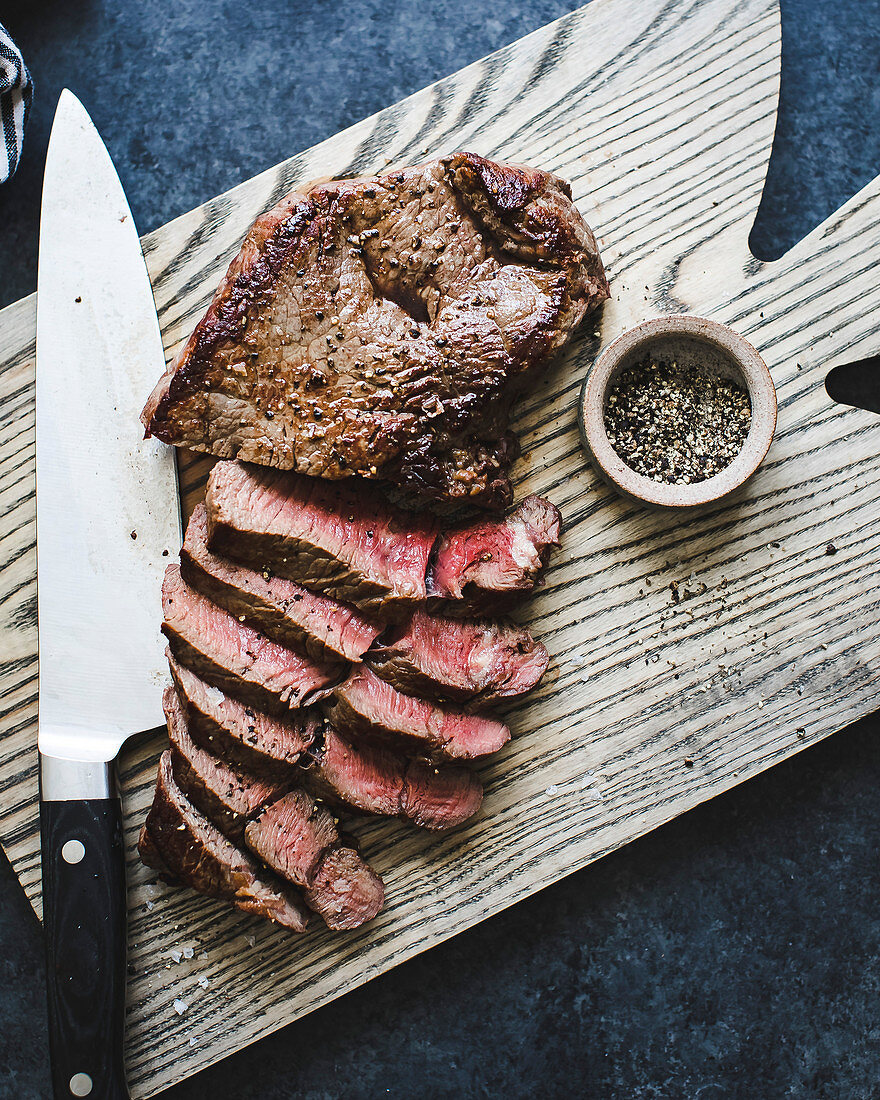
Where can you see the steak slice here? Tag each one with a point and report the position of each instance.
(179, 841)
(364, 704)
(227, 796)
(227, 728)
(374, 780)
(233, 656)
(487, 561)
(298, 838)
(289, 614)
(459, 660)
(382, 327)
(342, 540)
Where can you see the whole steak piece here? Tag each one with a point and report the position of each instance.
(383, 327)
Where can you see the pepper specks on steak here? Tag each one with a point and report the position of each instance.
(232, 656)
(241, 734)
(317, 626)
(227, 795)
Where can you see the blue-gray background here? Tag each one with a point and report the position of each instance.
(732, 953)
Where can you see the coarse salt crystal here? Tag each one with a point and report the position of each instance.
(193, 1041)
(203, 982)
(187, 952)
(175, 955)
(552, 789)
(180, 1006)
(215, 695)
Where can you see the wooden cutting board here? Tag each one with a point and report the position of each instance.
(689, 653)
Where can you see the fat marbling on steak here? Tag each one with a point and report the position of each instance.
(491, 562)
(383, 327)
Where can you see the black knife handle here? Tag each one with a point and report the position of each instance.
(84, 911)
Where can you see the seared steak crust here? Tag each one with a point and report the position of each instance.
(382, 327)
(180, 842)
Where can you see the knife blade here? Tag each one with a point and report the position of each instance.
(107, 521)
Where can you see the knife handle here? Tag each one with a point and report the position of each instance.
(84, 911)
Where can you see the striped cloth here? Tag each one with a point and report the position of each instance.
(16, 92)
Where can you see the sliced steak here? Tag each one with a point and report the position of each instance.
(345, 541)
(366, 705)
(459, 660)
(289, 614)
(382, 327)
(487, 561)
(297, 837)
(179, 841)
(346, 892)
(227, 796)
(233, 656)
(374, 780)
(238, 733)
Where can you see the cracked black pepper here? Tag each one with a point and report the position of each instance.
(676, 424)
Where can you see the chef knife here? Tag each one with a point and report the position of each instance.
(107, 521)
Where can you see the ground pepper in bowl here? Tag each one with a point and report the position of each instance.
(676, 424)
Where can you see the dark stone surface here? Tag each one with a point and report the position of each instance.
(732, 953)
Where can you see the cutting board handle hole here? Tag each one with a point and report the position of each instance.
(856, 384)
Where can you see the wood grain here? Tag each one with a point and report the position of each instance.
(662, 115)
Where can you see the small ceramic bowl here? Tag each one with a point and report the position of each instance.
(688, 341)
